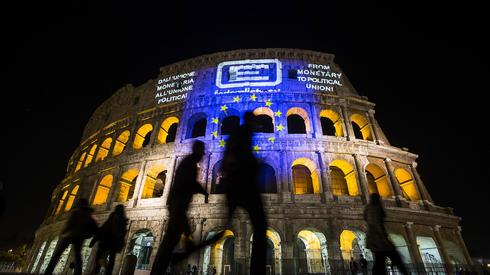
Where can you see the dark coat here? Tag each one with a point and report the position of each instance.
(80, 224)
(111, 234)
(376, 236)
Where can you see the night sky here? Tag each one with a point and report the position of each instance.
(424, 66)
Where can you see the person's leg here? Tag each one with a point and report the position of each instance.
(110, 264)
(396, 260)
(77, 246)
(379, 267)
(56, 256)
(259, 244)
(98, 256)
(164, 253)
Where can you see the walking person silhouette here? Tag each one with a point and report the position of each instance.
(240, 173)
(111, 239)
(80, 226)
(185, 185)
(377, 238)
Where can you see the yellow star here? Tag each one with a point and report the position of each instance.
(215, 134)
(268, 103)
(236, 99)
(224, 108)
(215, 120)
(222, 143)
(280, 127)
(256, 148)
(278, 113)
(253, 97)
(272, 139)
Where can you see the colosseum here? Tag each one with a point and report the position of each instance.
(321, 150)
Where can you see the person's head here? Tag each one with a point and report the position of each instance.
(119, 209)
(249, 118)
(198, 149)
(82, 202)
(375, 199)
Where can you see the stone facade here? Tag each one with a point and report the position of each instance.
(313, 231)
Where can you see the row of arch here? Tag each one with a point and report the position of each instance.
(310, 251)
(305, 178)
(298, 122)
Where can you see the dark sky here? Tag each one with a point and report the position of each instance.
(424, 66)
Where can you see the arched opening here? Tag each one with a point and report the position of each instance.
(61, 200)
(361, 127)
(229, 125)
(80, 161)
(126, 185)
(264, 118)
(168, 130)
(343, 178)
(196, 126)
(407, 184)
(310, 253)
(71, 198)
(90, 155)
(429, 252)
(454, 253)
(305, 177)
(104, 149)
(331, 123)
(121, 142)
(103, 189)
(154, 182)
(273, 251)
(401, 246)
(298, 121)
(377, 181)
(221, 255)
(143, 136)
(217, 185)
(353, 244)
(267, 179)
(141, 246)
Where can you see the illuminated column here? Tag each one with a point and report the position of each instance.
(286, 185)
(462, 245)
(424, 194)
(413, 247)
(394, 181)
(325, 176)
(349, 133)
(154, 133)
(315, 126)
(132, 135)
(372, 123)
(194, 258)
(207, 182)
(113, 143)
(362, 179)
(169, 179)
(115, 186)
(139, 182)
(442, 249)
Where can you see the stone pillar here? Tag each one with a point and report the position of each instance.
(325, 173)
(169, 179)
(349, 134)
(113, 143)
(242, 253)
(414, 248)
(333, 247)
(394, 182)
(372, 123)
(154, 133)
(362, 179)
(286, 185)
(139, 182)
(115, 186)
(132, 135)
(424, 194)
(462, 245)
(442, 249)
(315, 123)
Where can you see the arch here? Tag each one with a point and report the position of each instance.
(196, 126)
(168, 130)
(311, 254)
(401, 246)
(217, 185)
(104, 149)
(80, 161)
(407, 184)
(353, 244)
(229, 124)
(121, 142)
(274, 251)
(103, 189)
(61, 200)
(298, 121)
(454, 253)
(90, 155)
(377, 180)
(141, 246)
(429, 251)
(360, 123)
(126, 186)
(331, 123)
(221, 254)
(71, 198)
(303, 177)
(267, 179)
(265, 120)
(154, 182)
(142, 137)
(343, 178)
